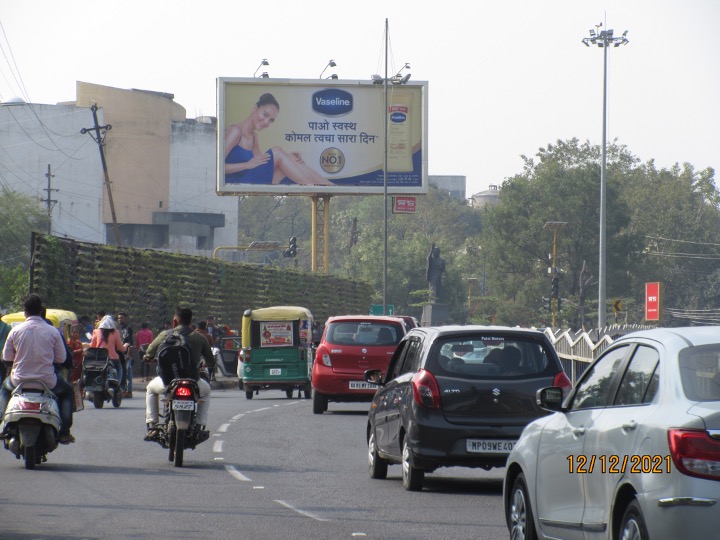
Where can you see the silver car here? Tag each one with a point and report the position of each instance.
(633, 452)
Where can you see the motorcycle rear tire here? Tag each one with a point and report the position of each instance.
(117, 397)
(29, 456)
(98, 400)
(179, 447)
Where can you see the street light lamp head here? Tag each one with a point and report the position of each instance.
(376, 79)
(333, 76)
(264, 75)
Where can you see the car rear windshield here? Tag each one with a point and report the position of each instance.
(700, 372)
(363, 333)
(492, 357)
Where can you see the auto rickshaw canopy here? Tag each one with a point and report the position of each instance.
(60, 318)
(277, 313)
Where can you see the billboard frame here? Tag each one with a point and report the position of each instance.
(359, 129)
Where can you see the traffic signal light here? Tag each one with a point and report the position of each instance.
(560, 301)
(546, 304)
(554, 289)
(292, 247)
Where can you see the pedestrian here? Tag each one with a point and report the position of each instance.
(143, 338)
(34, 348)
(126, 359)
(202, 329)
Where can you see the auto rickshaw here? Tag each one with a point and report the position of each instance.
(276, 350)
(60, 318)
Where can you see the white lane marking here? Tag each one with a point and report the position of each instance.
(223, 428)
(217, 447)
(263, 409)
(236, 474)
(237, 417)
(302, 512)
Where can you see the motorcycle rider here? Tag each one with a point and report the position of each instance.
(200, 348)
(34, 348)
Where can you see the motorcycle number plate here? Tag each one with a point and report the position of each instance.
(183, 405)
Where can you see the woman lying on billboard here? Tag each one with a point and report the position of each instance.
(245, 163)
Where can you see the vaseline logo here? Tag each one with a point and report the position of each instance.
(332, 160)
(398, 117)
(332, 102)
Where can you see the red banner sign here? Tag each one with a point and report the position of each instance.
(403, 205)
(652, 301)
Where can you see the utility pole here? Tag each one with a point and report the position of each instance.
(49, 202)
(98, 134)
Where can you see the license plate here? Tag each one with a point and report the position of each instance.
(183, 405)
(489, 446)
(275, 371)
(362, 385)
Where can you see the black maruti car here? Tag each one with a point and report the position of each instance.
(457, 396)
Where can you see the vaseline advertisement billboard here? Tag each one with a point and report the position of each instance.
(300, 137)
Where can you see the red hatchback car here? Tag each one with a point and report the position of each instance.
(350, 345)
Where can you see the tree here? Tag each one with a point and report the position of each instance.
(21, 216)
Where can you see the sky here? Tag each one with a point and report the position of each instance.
(505, 77)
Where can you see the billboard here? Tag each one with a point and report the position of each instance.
(304, 137)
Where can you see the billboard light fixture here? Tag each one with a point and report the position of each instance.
(331, 63)
(263, 63)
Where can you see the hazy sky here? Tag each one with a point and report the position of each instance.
(505, 77)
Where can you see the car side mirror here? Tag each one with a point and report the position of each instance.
(550, 398)
(374, 376)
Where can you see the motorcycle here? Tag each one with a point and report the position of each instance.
(31, 423)
(178, 429)
(100, 379)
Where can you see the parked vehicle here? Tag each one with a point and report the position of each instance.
(634, 450)
(276, 350)
(100, 378)
(433, 409)
(178, 430)
(350, 345)
(31, 424)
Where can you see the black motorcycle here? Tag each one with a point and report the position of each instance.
(100, 378)
(178, 429)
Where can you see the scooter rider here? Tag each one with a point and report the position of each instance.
(200, 348)
(34, 348)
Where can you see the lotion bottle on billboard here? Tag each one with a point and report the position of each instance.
(399, 157)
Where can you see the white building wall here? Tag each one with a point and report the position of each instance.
(33, 136)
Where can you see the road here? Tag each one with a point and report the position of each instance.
(271, 469)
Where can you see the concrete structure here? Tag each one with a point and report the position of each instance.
(489, 196)
(161, 167)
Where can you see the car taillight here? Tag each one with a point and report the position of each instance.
(183, 391)
(695, 453)
(563, 382)
(326, 360)
(425, 390)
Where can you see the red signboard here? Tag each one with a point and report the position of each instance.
(403, 205)
(652, 301)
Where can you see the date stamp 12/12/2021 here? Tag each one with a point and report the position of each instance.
(612, 464)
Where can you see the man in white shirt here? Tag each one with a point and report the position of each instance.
(34, 348)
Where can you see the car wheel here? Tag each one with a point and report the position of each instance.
(633, 524)
(377, 466)
(412, 477)
(519, 516)
(320, 403)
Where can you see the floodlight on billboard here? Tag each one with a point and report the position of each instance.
(305, 137)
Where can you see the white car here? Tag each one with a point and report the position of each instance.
(632, 453)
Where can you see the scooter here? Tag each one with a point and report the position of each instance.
(178, 429)
(31, 423)
(100, 379)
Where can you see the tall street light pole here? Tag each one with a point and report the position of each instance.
(603, 39)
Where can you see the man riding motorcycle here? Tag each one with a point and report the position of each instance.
(34, 348)
(200, 349)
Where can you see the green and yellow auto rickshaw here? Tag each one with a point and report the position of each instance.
(276, 350)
